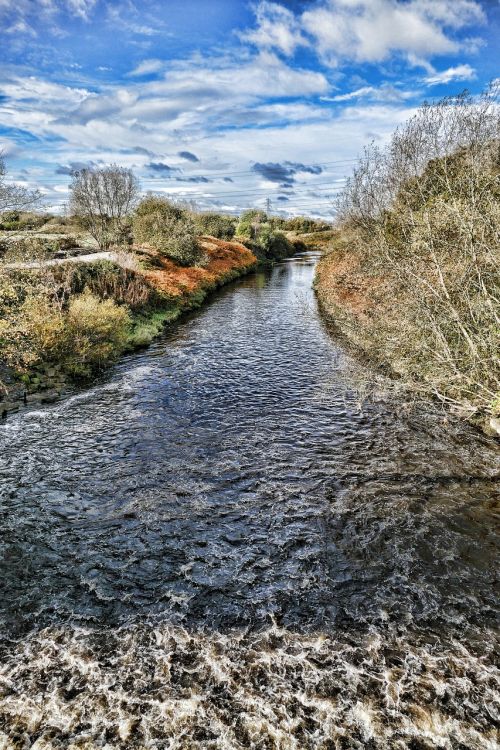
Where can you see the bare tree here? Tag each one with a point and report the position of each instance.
(15, 197)
(103, 198)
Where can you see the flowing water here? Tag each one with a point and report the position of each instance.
(216, 547)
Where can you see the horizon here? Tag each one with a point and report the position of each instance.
(228, 105)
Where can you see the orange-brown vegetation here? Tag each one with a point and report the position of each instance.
(222, 260)
(344, 285)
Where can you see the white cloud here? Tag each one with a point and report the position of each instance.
(147, 67)
(384, 93)
(192, 96)
(82, 8)
(458, 73)
(277, 28)
(367, 30)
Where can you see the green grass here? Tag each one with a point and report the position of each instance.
(147, 326)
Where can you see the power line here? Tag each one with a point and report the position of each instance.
(246, 171)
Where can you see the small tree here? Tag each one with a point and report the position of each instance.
(250, 223)
(102, 199)
(15, 197)
(168, 228)
(215, 225)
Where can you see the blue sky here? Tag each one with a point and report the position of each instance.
(226, 102)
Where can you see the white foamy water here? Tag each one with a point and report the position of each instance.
(163, 687)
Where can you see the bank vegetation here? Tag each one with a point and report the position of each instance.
(413, 275)
(76, 291)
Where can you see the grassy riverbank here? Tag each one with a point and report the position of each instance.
(68, 322)
(414, 284)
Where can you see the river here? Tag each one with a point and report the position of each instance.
(216, 546)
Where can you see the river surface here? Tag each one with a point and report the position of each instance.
(217, 547)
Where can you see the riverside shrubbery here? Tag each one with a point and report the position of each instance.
(215, 225)
(167, 228)
(81, 338)
(415, 279)
(257, 228)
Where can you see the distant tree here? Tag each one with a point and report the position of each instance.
(102, 199)
(215, 225)
(15, 197)
(169, 228)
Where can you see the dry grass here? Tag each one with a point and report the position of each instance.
(412, 276)
(223, 259)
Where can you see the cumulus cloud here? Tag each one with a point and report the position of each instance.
(188, 156)
(277, 28)
(195, 179)
(161, 168)
(74, 166)
(367, 30)
(143, 151)
(458, 73)
(206, 90)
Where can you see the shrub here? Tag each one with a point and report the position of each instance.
(305, 225)
(250, 223)
(265, 240)
(420, 219)
(274, 244)
(107, 280)
(216, 225)
(95, 333)
(167, 228)
(82, 339)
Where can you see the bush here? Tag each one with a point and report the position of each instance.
(82, 339)
(107, 280)
(305, 225)
(19, 221)
(265, 240)
(275, 245)
(167, 228)
(420, 220)
(216, 225)
(250, 223)
(95, 333)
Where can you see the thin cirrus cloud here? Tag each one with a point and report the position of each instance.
(384, 93)
(26, 16)
(457, 73)
(147, 67)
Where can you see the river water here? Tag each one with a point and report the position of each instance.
(217, 547)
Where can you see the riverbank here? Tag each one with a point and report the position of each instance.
(152, 289)
(366, 305)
